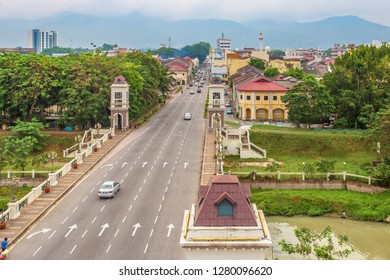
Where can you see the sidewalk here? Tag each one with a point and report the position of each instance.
(208, 165)
(31, 212)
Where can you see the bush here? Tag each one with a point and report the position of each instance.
(340, 123)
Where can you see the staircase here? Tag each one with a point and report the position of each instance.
(239, 140)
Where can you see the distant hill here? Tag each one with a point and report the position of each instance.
(139, 31)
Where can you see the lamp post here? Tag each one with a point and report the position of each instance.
(345, 166)
(77, 138)
(52, 155)
(15, 182)
(303, 171)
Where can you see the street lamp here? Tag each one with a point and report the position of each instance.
(77, 138)
(52, 155)
(345, 166)
(15, 182)
(303, 166)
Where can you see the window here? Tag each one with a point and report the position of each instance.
(241, 96)
(265, 98)
(257, 97)
(225, 208)
(275, 98)
(118, 95)
(248, 97)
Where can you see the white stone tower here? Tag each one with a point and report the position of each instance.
(119, 105)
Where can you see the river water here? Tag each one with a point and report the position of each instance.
(370, 240)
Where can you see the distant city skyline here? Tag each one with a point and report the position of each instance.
(240, 11)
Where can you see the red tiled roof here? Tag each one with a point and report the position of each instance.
(176, 67)
(120, 80)
(262, 84)
(219, 188)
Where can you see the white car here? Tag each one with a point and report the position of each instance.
(109, 189)
(187, 116)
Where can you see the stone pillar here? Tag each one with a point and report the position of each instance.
(253, 111)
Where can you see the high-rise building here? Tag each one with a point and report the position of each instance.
(224, 43)
(42, 39)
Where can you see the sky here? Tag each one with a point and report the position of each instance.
(243, 10)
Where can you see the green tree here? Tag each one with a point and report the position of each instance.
(3, 160)
(276, 53)
(296, 73)
(18, 150)
(271, 72)
(319, 245)
(32, 129)
(258, 63)
(379, 131)
(360, 84)
(308, 102)
(40, 160)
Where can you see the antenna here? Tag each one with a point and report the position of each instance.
(169, 42)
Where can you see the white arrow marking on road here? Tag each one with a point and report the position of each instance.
(145, 163)
(170, 227)
(136, 226)
(107, 165)
(41, 231)
(103, 229)
(165, 163)
(185, 164)
(123, 164)
(70, 230)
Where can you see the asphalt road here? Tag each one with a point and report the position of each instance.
(158, 166)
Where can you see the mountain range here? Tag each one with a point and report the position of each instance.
(142, 32)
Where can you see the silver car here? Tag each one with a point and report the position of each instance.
(109, 189)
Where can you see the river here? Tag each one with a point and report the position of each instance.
(370, 240)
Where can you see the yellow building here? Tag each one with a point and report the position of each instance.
(236, 63)
(261, 100)
(284, 65)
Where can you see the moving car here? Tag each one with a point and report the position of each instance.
(187, 116)
(109, 189)
(229, 111)
(227, 104)
(198, 90)
(191, 92)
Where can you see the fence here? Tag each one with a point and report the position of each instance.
(32, 173)
(305, 176)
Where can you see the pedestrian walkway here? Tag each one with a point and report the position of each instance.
(31, 212)
(208, 166)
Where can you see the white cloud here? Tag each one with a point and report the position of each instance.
(242, 10)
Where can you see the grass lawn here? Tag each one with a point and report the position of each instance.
(6, 193)
(358, 206)
(294, 146)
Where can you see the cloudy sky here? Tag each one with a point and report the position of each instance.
(242, 10)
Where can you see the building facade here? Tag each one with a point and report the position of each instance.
(42, 39)
(261, 100)
(224, 43)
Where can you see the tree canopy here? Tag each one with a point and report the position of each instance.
(79, 84)
(200, 50)
(308, 102)
(360, 85)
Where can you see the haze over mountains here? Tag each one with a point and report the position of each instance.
(139, 31)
